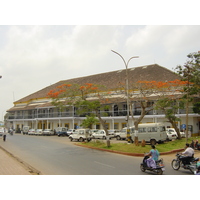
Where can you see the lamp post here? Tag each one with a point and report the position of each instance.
(127, 91)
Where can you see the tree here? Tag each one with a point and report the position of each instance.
(89, 121)
(138, 92)
(167, 96)
(190, 72)
(89, 98)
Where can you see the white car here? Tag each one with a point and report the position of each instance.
(48, 132)
(70, 131)
(183, 135)
(31, 132)
(38, 131)
(100, 134)
(121, 135)
(171, 135)
(81, 135)
(172, 130)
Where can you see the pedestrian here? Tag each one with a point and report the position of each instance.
(4, 136)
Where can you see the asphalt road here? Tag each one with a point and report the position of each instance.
(53, 155)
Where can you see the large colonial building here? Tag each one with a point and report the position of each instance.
(36, 110)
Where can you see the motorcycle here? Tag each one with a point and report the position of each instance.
(177, 163)
(158, 169)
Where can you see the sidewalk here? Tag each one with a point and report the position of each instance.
(11, 166)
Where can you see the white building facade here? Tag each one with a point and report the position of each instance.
(36, 110)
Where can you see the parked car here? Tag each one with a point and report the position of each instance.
(113, 132)
(171, 135)
(31, 132)
(121, 135)
(183, 135)
(1, 131)
(172, 131)
(48, 132)
(81, 135)
(61, 131)
(70, 131)
(39, 132)
(101, 134)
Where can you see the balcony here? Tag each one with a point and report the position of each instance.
(118, 113)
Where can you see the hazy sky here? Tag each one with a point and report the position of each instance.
(33, 57)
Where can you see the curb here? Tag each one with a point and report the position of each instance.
(129, 154)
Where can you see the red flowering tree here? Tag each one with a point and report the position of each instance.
(89, 98)
(168, 96)
(151, 95)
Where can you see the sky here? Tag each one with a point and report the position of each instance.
(43, 42)
(35, 56)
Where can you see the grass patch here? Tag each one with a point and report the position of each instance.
(131, 148)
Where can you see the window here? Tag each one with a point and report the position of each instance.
(116, 126)
(141, 130)
(123, 125)
(162, 128)
(152, 129)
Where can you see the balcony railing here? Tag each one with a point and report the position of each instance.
(119, 113)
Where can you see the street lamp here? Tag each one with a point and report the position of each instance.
(127, 91)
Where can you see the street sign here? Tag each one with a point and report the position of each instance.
(183, 126)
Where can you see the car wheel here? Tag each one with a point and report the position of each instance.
(81, 139)
(118, 137)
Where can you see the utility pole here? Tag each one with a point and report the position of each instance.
(127, 92)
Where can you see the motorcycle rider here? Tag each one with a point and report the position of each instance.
(154, 153)
(189, 153)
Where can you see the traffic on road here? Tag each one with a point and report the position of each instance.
(59, 156)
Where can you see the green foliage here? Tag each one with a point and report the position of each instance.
(190, 71)
(89, 121)
(170, 107)
(196, 107)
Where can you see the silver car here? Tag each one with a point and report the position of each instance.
(48, 132)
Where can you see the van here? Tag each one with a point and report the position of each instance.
(151, 132)
(25, 129)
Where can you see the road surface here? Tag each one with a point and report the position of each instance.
(53, 155)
